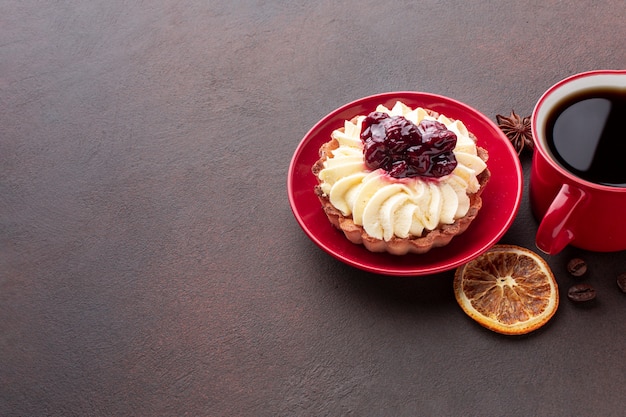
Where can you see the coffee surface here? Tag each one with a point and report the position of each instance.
(587, 135)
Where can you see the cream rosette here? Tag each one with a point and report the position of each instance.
(402, 207)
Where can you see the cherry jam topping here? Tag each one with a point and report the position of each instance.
(404, 149)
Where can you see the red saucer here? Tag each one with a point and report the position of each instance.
(501, 197)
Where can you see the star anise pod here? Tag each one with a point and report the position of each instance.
(518, 130)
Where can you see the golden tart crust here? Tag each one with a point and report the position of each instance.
(400, 246)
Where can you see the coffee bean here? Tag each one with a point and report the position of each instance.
(581, 293)
(577, 267)
(621, 281)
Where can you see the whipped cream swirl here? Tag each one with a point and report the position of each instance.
(400, 207)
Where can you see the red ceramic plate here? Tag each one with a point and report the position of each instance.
(501, 197)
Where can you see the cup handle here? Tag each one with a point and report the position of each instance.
(556, 229)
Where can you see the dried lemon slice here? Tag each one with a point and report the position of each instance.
(508, 289)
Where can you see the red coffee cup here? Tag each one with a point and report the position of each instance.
(572, 208)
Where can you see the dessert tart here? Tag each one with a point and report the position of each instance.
(401, 180)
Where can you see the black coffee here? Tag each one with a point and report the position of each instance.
(587, 135)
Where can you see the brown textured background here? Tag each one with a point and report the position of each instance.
(149, 261)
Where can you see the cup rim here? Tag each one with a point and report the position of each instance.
(539, 147)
